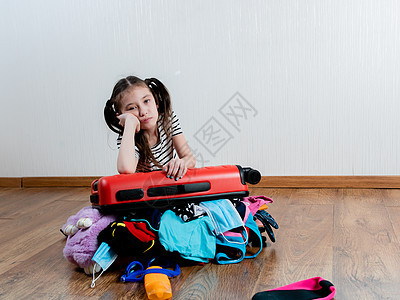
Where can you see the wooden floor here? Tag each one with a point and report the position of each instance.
(347, 236)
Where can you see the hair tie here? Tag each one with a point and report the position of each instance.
(151, 83)
(153, 86)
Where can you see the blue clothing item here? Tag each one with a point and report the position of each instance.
(252, 225)
(235, 241)
(223, 214)
(193, 240)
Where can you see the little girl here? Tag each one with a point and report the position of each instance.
(149, 132)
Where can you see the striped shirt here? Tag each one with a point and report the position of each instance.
(163, 151)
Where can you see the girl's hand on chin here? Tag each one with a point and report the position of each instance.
(175, 168)
(127, 117)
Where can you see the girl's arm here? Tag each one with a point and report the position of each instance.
(182, 148)
(127, 161)
(177, 168)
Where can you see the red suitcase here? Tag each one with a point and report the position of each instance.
(124, 192)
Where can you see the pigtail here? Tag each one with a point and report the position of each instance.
(110, 115)
(161, 94)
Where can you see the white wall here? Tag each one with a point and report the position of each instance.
(322, 79)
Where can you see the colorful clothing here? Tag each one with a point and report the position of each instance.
(193, 240)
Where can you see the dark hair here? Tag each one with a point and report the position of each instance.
(162, 98)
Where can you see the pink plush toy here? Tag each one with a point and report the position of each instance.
(82, 230)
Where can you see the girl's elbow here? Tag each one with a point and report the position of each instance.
(126, 170)
(126, 166)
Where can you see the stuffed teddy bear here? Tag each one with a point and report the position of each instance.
(82, 230)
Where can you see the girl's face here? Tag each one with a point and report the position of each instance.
(139, 101)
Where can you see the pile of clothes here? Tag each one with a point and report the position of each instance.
(222, 231)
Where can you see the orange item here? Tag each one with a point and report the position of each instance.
(263, 207)
(157, 285)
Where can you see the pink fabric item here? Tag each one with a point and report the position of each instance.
(308, 284)
(81, 246)
(255, 202)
